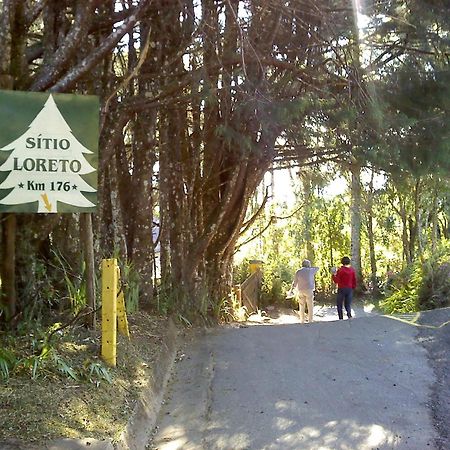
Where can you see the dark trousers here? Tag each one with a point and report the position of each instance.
(344, 297)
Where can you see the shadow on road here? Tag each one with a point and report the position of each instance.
(354, 384)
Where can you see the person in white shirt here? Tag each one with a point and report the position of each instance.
(304, 284)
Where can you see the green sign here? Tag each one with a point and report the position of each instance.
(48, 152)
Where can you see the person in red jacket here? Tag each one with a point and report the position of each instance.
(345, 278)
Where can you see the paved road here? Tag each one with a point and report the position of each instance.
(358, 384)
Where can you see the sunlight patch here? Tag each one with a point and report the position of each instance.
(377, 435)
(238, 440)
(311, 432)
(282, 423)
(174, 445)
(283, 405)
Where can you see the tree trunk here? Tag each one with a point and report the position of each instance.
(355, 217)
(145, 158)
(412, 228)
(330, 242)
(87, 240)
(117, 225)
(406, 255)
(370, 234)
(8, 275)
(8, 222)
(418, 218)
(434, 217)
(141, 220)
(307, 218)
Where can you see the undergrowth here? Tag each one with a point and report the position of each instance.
(421, 286)
(55, 385)
(47, 352)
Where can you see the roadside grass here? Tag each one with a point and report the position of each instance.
(77, 396)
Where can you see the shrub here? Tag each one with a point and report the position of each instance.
(423, 285)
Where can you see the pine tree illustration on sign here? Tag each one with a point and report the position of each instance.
(46, 164)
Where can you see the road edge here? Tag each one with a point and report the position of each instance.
(142, 421)
(138, 431)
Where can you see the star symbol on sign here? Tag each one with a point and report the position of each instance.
(74, 186)
(20, 185)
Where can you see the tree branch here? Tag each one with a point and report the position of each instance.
(83, 67)
(251, 221)
(271, 221)
(132, 74)
(58, 64)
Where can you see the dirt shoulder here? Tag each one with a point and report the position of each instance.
(434, 335)
(35, 412)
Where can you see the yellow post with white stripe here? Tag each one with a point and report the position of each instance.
(109, 311)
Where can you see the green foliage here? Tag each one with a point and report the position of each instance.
(424, 285)
(234, 138)
(4, 311)
(8, 361)
(277, 277)
(49, 285)
(414, 100)
(402, 294)
(330, 230)
(229, 310)
(95, 372)
(283, 246)
(42, 353)
(434, 291)
(75, 285)
(277, 280)
(130, 285)
(77, 294)
(166, 299)
(174, 299)
(241, 271)
(40, 290)
(62, 366)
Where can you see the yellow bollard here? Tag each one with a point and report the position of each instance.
(109, 311)
(255, 265)
(122, 321)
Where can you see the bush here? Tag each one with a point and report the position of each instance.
(435, 289)
(241, 271)
(274, 289)
(423, 285)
